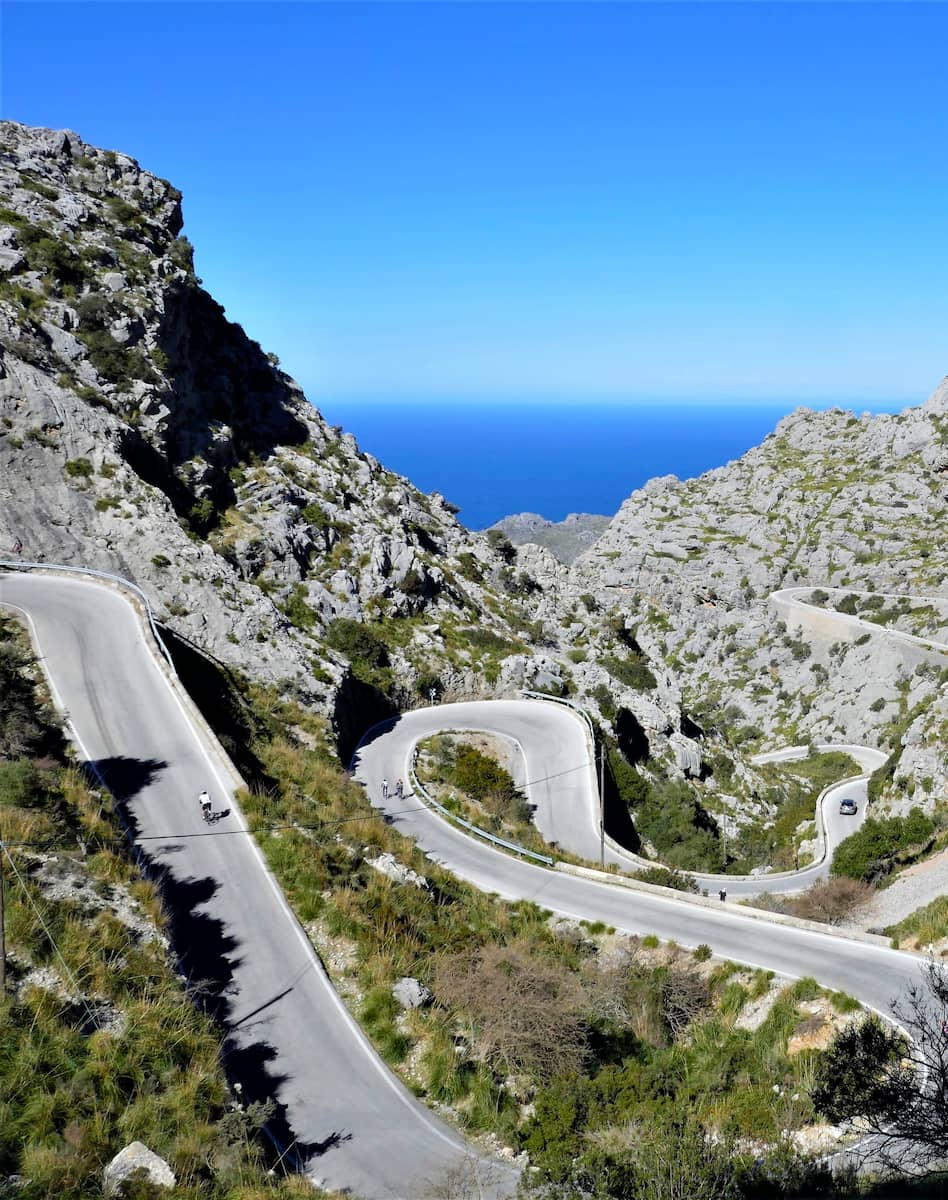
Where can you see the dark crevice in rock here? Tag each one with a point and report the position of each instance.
(690, 728)
(631, 737)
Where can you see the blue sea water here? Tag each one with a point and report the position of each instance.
(494, 459)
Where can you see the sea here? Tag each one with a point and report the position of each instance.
(493, 458)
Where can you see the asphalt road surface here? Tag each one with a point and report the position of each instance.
(873, 973)
(563, 789)
(355, 1125)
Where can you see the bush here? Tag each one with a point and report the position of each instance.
(79, 468)
(683, 833)
(479, 775)
(202, 516)
(854, 1075)
(634, 672)
(298, 610)
(358, 642)
(666, 877)
(501, 545)
(527, 1013)
(830, 900)
(876, 849)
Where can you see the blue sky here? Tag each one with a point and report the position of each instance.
(541, 200)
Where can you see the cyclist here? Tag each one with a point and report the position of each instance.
(205, 802)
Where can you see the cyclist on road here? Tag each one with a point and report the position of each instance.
(205, 802)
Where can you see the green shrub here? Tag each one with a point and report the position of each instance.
(124, 212)
(666, 877)
(604, 698)
(501, 545)
(875, 849)
(41, 189)
(79, 468)
(298, 610)
(634, 672)
(364, 648)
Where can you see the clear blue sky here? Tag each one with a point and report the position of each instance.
(549, 200)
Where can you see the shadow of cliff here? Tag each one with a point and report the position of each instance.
(221, 377)
(208, 956)
(215, 689)
(358, 707)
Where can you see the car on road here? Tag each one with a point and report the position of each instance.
(848, 807)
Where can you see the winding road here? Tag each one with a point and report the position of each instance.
(343, 1113)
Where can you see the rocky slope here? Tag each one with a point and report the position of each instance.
(141, 432)
(565, 539)
(828, 499)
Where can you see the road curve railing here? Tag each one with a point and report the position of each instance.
(514, 847)
(790, 601)
(19, 565)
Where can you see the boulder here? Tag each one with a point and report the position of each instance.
(136, 1157)
(411, 993)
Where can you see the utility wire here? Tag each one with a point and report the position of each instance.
(52, 941)
(46, 844)
(265, 829)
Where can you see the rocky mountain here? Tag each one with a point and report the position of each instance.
(564, 539)
(142, 432)
(829, 500)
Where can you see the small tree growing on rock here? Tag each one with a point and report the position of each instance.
(897, 1085)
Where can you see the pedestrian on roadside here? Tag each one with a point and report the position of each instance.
(17, 547)
(399, 789)
(384, 789)
(722, 894)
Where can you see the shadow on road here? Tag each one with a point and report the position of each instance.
(372, 736)
(208, 956)
(124, 777)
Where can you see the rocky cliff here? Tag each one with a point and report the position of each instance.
(829, 500)
(144, 433)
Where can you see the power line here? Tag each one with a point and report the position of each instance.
(46, 844)
(375, 814)
(77, 990)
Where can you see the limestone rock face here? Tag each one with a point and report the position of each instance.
(829, 500)
(145, 434)
(136, 1157)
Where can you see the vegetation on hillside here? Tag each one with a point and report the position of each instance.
(463, 773)
(531, 1017)
(100, 1044)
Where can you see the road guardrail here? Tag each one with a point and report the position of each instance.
(18, 565)
(418, 787)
